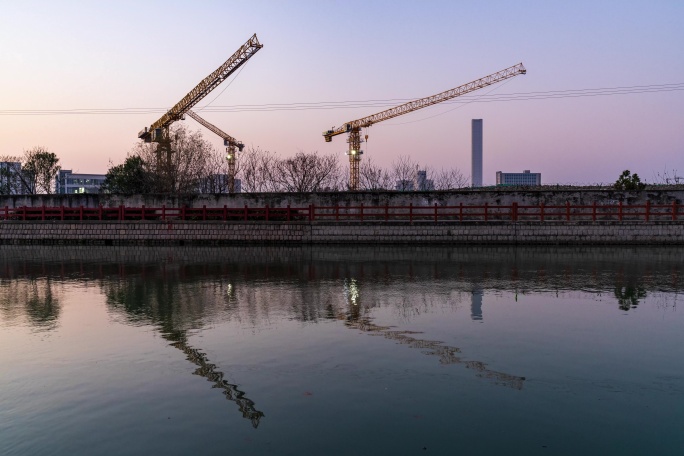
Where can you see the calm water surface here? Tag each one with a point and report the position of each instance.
(432, 350)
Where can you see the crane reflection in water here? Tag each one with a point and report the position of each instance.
(209, 371)
(163, 308)
(355, 319)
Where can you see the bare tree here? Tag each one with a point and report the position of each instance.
(404, 172)
(39, 169)
(374, 177)
(215, 178)
(308, 172)
(184, 169)
(450, 179)
(257, 169)
(669, 178)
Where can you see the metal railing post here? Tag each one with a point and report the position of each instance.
(514, 212)
(620, 211)
(674, 210)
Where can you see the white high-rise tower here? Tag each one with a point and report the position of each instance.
(476, 172)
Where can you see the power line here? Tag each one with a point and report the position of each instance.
(357, 104)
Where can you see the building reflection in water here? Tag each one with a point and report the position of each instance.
(476, 304)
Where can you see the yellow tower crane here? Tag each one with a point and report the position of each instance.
(232, 147)
(354, 127)
(159, 131)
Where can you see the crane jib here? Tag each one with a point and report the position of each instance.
(420, 103)
(202, 89)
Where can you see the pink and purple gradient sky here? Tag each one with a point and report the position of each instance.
(60, 55)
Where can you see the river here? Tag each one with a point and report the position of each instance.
(341, 351)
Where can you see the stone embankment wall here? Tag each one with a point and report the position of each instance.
(301, 233)
(474, 197)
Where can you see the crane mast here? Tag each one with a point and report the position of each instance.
(232, 147)
(353, 128)
(159, 131)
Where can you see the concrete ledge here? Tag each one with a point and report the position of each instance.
(235, 233)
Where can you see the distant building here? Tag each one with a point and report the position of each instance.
(405, 185)
(423, 184)
(476, 156)
(10, 179)
(68, 182)
(419, 183)
(524, 178)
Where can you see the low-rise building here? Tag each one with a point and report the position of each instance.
(68, 182)
(524, 178)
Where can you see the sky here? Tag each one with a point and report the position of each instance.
(132, 60)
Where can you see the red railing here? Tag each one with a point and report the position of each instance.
(410, 213)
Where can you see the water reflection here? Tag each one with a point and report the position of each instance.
(35, 298)
(357, 317)
(476, 304)
(165, 302)
(209, 371)
(628, 296)
(181, 289)
(445, 353)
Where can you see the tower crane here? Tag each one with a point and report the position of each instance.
(353, 128)
(232, 147)
(159, 131)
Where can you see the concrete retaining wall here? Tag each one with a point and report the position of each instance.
(227, 233)
(473, 197)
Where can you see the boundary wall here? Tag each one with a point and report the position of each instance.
(349, 233)
(467, 197)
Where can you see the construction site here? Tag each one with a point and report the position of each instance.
(159, 132)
